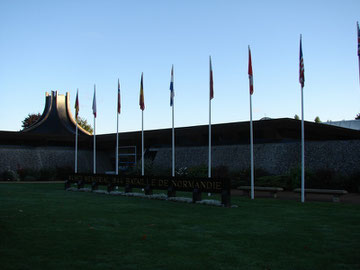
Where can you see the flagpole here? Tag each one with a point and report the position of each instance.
(251, 90)
(76, 147)
(302, 148)
(211, 93)
(117, 143)
(251, 150)
(359, 67)
(209, 172)
(142, 143)
(173, 142)
(94, 112)
(94, 146)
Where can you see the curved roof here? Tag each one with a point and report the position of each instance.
(56, 117)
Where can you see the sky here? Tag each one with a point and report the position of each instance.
(65, 45)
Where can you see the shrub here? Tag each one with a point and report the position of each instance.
(62, 173)
(273, 181)
(10, 175)
(136, 170)
(183, 171)
(27, 174)
(220, 171)
(352, 182)
(47, 174)
(198, 171)
(295, 177)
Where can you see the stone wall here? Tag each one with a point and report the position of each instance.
(276, 158)
(14, 157)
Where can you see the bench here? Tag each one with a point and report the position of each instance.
(336, 193)
(273, 190)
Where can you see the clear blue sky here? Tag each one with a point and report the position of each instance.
(64, 45)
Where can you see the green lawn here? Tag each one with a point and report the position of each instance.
(44, 227)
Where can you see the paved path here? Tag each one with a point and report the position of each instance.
(288, 195)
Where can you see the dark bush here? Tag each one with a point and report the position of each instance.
(295, 177)
(28, 174)
(273, 181)
(47, 174)
(62, 173)
(10, 175)
(198, 171)
(352, 182)
(220, 171)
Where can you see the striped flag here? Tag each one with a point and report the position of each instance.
(172, 92)
(118, 98)
(77, 105)
(358, 32)
(211, 81)
(142, 102)
(94, 102)
(250, 72)
(301, 66)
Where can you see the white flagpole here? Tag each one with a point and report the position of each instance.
(76, 133)
(142, 142)
(302, 149)
(251, 150)
(76, 147)
(94, 146)
(209, 171)
(117, 142)
(211, 93)
(251, 90)
(94, 112)
(302, 81)
(173, 141)
(117, 130)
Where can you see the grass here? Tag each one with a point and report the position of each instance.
(44, 227)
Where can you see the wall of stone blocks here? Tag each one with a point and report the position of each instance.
(15, 157)
(276, 158)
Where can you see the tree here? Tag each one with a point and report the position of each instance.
(317, 119)
(357, 116)
(85, 125)
(31, 119)
(296, 117)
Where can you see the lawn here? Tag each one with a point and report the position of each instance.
(44, 227)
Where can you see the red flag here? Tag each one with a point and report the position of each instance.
(94, 102)
(118, 100)
(250, 72)
(211, 81)
(77, 105)
(142, 102)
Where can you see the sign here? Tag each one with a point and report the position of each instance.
(197, 185)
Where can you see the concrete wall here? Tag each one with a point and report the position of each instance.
(276, 158)
(14, 157)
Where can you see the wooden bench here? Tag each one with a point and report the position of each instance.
(336, 193)
(273, 190)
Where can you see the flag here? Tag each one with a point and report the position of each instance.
(250, 72)
(172, 92)
(358, 32)
(211, 81)
(301, 66)
(94, 102)
(118, 99)
(141, 102)
(77, 105)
